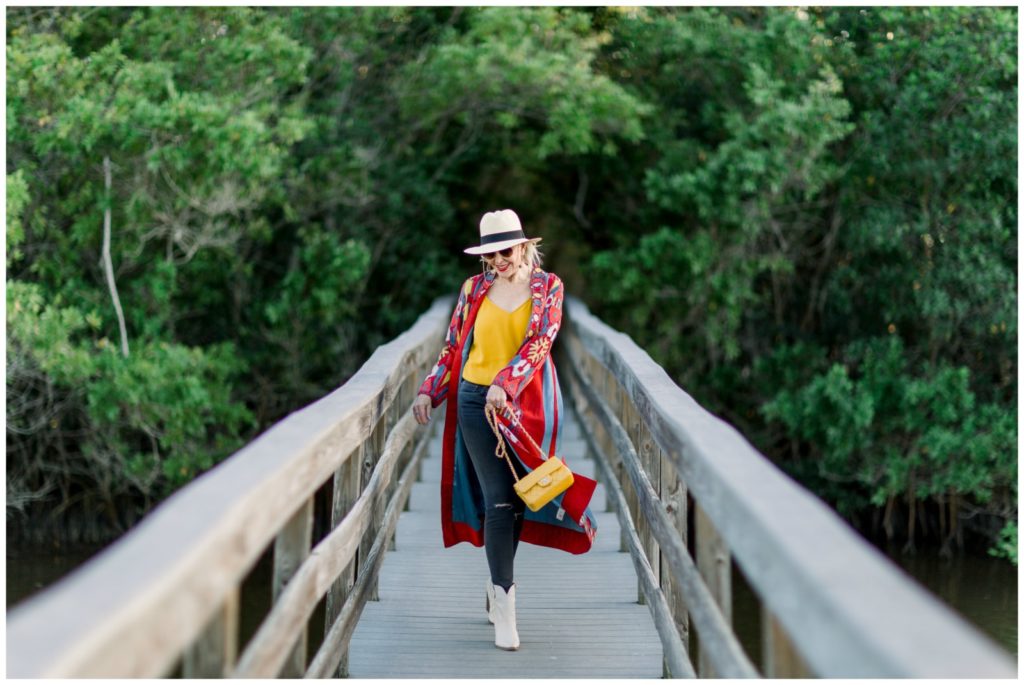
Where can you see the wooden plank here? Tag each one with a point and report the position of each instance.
(132, 610)
(713, 564)
(266, 652)
(398, 409)
(432, 603)
(627, 418)
(717, 639)
(781, 659)
(851, 611)
(336, 641)
(347, 487)
(675, 653)
(213, 655)
(370, 456)
(291, 548)
(673, 494)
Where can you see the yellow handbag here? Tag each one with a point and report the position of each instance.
(544, 483)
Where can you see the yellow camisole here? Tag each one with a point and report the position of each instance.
(497, 336)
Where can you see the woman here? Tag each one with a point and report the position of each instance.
(498, 352)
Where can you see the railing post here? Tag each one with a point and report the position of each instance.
(602, 382)
(644, 446)
(389, 488)
(583, 413)
(347, 486)
(403, 398)
(623, 480)
(371, 455)
(609, 501)
(781, 659)
(436, 418)
(672, 492)
(630, 421)
(215, 651)
(409, 394)
(291, 548)
(368, 452)
(713, 562)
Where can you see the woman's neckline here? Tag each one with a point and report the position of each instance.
(507, 311)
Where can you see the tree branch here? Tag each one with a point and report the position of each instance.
(108, 266)
(581, 196)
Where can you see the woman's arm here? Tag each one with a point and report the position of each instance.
(436, 384)
(517, 375)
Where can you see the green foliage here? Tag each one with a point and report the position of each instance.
(279, 206)
(104, 429)
(733, 171)
(1006, 545)
(17, 198)
(528, 73)
(881, 429)
(827, 251)
(195, 112)
(315, 303)
(807, 216)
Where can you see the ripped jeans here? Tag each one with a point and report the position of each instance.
(503, 517)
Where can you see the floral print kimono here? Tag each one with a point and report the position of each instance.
(531, 383)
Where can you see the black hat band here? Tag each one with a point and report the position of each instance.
(500, 237)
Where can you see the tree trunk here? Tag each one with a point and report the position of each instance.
(108, 266)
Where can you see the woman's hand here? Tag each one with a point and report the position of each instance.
(421, 409)
(496, 397)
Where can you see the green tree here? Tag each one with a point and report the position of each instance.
(190, 109)
(806, 215)
(824, 252)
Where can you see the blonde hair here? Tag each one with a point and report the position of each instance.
(531, 255)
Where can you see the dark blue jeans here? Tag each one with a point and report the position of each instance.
(503, 509)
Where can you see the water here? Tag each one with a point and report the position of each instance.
(981, 589)
(30, 571)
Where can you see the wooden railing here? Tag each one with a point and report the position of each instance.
(681, 479)
(694, 499)
(166, 597)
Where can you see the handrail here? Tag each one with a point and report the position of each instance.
(335, 644)
(675, 651)
(266, 653)
(135, 609)
(831, 600)
(726, 653)
(169, 589)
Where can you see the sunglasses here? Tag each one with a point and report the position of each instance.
(506, 253)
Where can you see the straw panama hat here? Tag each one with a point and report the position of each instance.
(499, 230)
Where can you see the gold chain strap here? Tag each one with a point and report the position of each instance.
(500, 450)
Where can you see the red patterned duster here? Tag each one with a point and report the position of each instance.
(532, 385)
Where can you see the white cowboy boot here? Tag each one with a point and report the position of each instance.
(505, 634)
(490, 601)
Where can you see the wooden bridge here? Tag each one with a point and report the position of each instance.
(343, 495)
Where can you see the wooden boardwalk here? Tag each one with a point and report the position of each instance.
(170, 596)
(430, 621)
